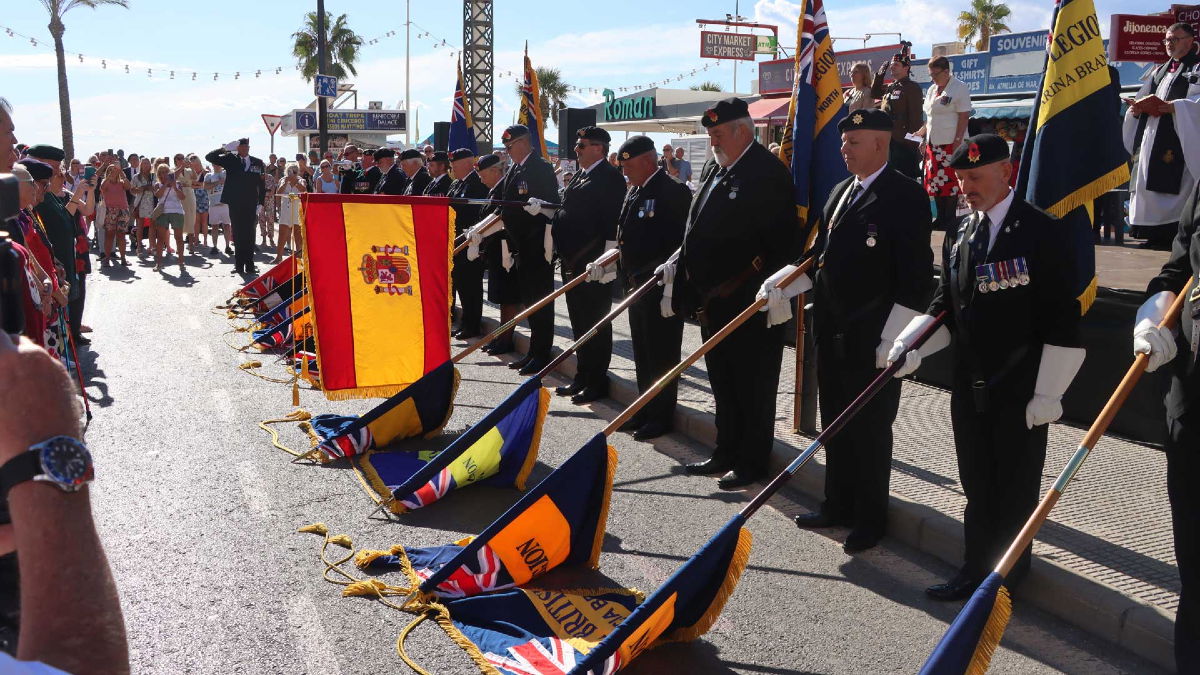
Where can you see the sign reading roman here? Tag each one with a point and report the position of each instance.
(628, 108)
(740, 46)
(1138, 38)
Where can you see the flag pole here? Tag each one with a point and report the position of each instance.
(605, 260)
(703, 349)
(492, 220)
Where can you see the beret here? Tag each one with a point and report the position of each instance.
(726, 110)
(873, 119)
(487, 161)
(978, 151)
(47, 152)
(38, 170)
(634, 146)
(411, 153)
(440, 156)
(243, 141)
(461, 153)
(384, 152)
(594, 134)
(514, 132)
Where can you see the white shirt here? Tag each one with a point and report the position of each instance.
(996, 216)
(651, 176)
(1146, 207)
(941, 119)
(593, 165)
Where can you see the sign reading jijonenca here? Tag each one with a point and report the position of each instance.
(630, 108)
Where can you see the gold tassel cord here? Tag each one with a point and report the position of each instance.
(404, 636)
(301, 416)
(993, 630)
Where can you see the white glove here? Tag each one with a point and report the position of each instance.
(897, 321)
(231, 146)
(604, 274)
(506, 259)
(779, 306)
(936, 342)
(472, 250)
(537, 206)
(1148, 338)
(548, 243)
(1057, 369)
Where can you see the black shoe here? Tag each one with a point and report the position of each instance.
(858, 542)
(818, 520)
(651, 430)
(252, 270)
(256, 248)
(707, 467)
(498, 348)
(736, 479)
(587, 395)
(228, 249)
(520, 364)
(570, 389)
(632, 424)
(533, 367)
(468, 334)
(959, 588)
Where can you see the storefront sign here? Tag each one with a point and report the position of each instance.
(1138, 38)
(1187, 14)
(972, 69)
(383, 121)
(1017, 60)
(740, 46)
(628, 108)
(873, 57)
(776, 77)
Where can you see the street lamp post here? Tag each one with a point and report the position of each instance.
(322, 103)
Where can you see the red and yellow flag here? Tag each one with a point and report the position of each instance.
(379, 276)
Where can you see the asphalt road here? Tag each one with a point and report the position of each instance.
(199, 514)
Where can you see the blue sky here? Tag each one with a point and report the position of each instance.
(621, 43)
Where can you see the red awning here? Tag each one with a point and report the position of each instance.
(767, 109)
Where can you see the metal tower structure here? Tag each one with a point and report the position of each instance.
(479, 68)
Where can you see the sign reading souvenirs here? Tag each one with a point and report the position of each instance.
(1017, 60)
(387, 121)
(1138, 38)
(628, 108)
(740, 46)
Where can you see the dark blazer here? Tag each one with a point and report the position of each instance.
(417, 184)
(437, 187)
(591, 205)
(466, 215)
(998, 335)
(744, 230)
(393, 182)
(877, 254)
(534, 178)
(242, 187)
(651, 226)
(1183, 400)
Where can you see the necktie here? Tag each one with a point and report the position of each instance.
(716, 178)
(851, 194)
(979, 240)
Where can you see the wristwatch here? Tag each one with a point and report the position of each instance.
(61, 461)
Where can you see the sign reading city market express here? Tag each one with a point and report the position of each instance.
(1138, 38)
(740, 46)
(628, 108)
(385, 121)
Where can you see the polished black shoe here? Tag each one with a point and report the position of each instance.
(709, 466)
(498, 348)
(521, 362)
(468, 333)
(736, 479)
(569, 389)
(632, 424)
(817, 520)
(533, 367)
(858, 542)
(651, 430)
(588, 395)
(252, 270)
(959, 588)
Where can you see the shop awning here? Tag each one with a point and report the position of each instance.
(768, 109)
(1003, 109)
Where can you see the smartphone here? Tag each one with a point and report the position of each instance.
(89, 172)
(171, 178)
(301, 156)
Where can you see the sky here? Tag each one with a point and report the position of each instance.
(620, 43)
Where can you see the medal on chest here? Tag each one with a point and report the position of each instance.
(872, 233)
(734, 186)
(522, 187)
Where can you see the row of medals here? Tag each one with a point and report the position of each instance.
(1006, 280)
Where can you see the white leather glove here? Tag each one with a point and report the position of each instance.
(601, 273)
(537, 206)
(666, 279)
(506, 259)
(936, 342)
(1057, 369)
(548, 243)
(231, 146)
(897, 321)
(779, 306)
(1148, 338)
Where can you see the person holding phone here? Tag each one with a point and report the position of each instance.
(143, 204)
(289, 192)
(218, 210)
(170, 197)
(113, 190)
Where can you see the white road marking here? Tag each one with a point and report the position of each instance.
(306, 631)
(253, 489)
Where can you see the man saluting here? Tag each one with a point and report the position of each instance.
(243, 193)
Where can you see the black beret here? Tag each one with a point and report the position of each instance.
(38, 170)
(978, 151)
(487, 161)
(594, 134)
(724, 111)
(384, 152)
(514, 132)
(873, 119)
(46, 152)
(634, 146)
(461, 153)
(440, 156)
(243, 141)
(411, 153)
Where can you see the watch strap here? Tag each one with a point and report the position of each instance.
(19, 469)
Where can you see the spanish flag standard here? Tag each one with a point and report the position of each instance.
(379, 276)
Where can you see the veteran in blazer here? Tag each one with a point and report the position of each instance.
(467, 275)
(243, 193)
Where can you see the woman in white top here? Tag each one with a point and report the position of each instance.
(858, 96)
(947, 109)
(170, 199)
(187, 182)
(143, 204)
(289, 193)
(218, 211)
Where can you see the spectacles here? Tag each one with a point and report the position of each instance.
(582, 144)
(1172, 40)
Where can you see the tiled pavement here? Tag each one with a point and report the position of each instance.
(1108, 541)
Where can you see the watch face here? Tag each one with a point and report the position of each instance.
(67, 462)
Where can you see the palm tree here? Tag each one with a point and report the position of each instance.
(57, 8)
(342, 45)
(706, 86)
(553, 91)
(983, 20)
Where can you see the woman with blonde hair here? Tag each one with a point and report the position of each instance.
(858, 96)
(170, 199)
(113, 187)
(187, 183)
(201, 235)
(289, 190)
(143, 204)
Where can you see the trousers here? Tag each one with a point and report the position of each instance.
(656, 345)
(587, 303)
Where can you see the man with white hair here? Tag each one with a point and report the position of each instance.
(243, 193)
(741, 226)
(412, 163)
(8, 137)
